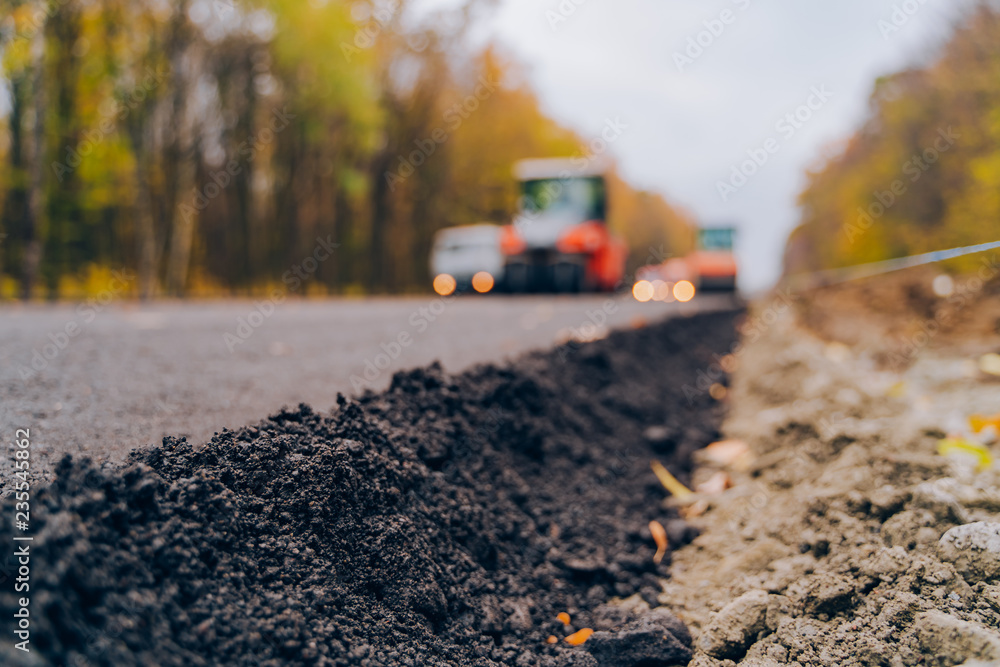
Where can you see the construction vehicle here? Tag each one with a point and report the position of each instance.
(560, 241)
(713, 264)
(710, 267)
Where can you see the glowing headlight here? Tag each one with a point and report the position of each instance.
(684, 291)
(661, 291)
(643, 291)
(444, 284)
(482, 282)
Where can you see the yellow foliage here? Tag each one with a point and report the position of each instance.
(923, 172)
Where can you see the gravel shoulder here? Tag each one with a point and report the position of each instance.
(846, 537)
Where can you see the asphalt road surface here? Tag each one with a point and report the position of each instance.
(100, 382)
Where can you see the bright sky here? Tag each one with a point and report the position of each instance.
(689, 124)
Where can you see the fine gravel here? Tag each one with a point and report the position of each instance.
(446, 521)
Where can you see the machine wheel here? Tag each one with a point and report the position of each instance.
(568, 278)
(517, 278)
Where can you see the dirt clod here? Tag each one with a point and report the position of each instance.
(974, 550)
(736, 626)
(657, 639)
(947, 640)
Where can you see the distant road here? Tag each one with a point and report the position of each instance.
(132, 373)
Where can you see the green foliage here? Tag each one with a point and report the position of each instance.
(207, 144)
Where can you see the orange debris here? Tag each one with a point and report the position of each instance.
(563, 618)
(715, 485)
(659, 534)
(979, 423)
(579, 637)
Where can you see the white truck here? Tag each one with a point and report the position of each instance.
(466, 258)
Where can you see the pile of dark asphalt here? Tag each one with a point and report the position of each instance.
(446, 521)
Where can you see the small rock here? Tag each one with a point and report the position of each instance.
(935, 497)
(886, 564)
(736, 626)
(666, 619)
(662, 436)
(657, 639)
(592, 565)
(974, 550)
(911, 528)
(951, 640)
(616, 613)
(518, 615)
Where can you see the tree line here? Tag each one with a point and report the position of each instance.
(207, 146)
(923, 173)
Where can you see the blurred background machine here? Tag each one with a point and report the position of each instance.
(711, 267)
(560, 241)
(713, 264)
(467, 258)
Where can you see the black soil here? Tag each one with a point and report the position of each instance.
(446, 521)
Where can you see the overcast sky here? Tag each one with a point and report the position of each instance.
(691, 121)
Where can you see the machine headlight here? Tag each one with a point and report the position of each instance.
(444, 284)
(482, 282)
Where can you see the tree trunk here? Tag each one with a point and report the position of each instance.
(15, 208)
(36, 184)
(185, 217)
(184, 222)
(145, 216)
(381, 213)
